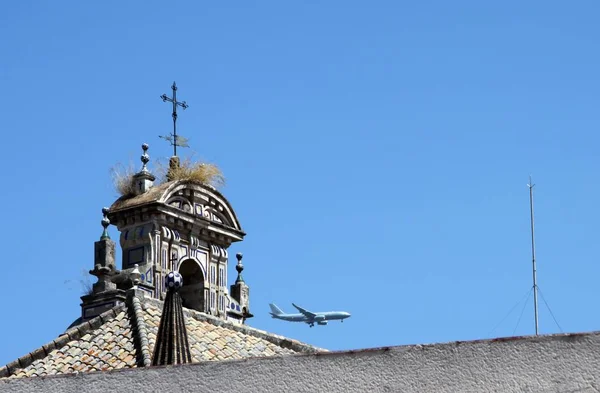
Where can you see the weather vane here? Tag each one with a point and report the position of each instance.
(173, 138)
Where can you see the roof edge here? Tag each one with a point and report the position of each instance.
(281, 341)
(139, 329)
(350, 352)
(75, 333)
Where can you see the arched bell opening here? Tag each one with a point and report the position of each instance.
(192, 292)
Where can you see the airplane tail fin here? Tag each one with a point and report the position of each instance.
(275, 310)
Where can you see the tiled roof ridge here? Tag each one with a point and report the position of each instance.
(278, 340)
(75, 333)
(139, 329)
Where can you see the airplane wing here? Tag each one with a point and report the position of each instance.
(305, 312)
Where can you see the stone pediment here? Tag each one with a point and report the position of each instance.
(187, 197)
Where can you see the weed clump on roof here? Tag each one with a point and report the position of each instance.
(200, 172)
(122, 178)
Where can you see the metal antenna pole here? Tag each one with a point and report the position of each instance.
(535, 288)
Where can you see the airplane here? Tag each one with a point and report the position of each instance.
(321, 318)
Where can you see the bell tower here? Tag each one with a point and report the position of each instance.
(184, 226)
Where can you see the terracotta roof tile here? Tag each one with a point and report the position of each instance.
(113, 341)
(109, 338)
(210, 342)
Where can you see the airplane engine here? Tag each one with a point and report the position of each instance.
(322, 322)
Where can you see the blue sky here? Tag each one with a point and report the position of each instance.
(376, 153)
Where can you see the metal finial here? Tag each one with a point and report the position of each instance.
(145, 157)
(174, 139)
(105, 223)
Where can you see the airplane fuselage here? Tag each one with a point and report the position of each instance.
(326, 316)
(309, 317)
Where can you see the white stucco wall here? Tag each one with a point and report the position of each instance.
(560, 363)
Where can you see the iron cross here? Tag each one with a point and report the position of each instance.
(175, 141)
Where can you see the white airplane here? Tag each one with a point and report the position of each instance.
(321, 318)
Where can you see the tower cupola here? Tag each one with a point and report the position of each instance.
(184, 226)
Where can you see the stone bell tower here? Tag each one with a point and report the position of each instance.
(183, 226)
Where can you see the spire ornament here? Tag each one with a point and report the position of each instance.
(135, 275)
(172, 346)
(239, 267)
(104, 268)
(240, 292)
(145, 158)
(143, 180)
(105, 223)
